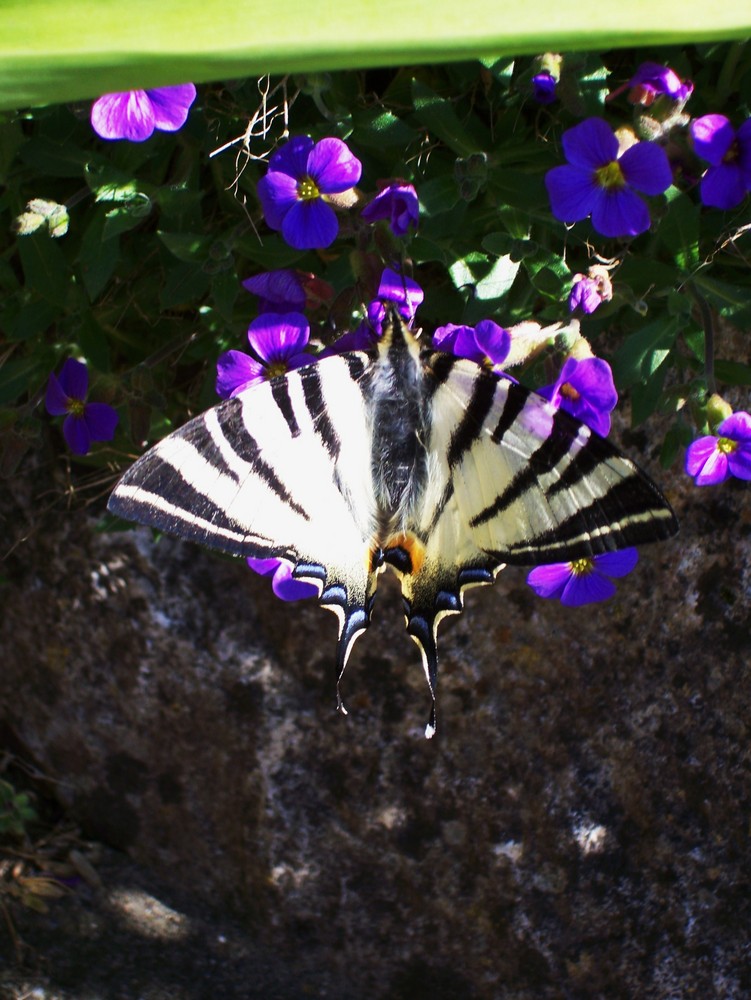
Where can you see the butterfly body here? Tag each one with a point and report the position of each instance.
(420, 462)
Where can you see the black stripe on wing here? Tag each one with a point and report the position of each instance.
(241, 441)
(310, 377)
(543, 460)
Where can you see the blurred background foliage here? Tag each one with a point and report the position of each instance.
(138, 269)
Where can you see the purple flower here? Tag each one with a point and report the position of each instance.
(725, 183)
(398, 203)
(395, 288)
(278, 341)
(134, 114)
(278, 291)
(582, 581)
(586, 389)
(487, 343)
(713, 458)
(584, 295)
(590, 290)
(294, 194)
(601, 182)
(284, 585)
(543, 87)
(84, 422)
(653, 79)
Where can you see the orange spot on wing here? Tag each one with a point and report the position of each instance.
(412, 546)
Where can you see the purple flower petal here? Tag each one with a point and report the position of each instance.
(739, 463)
(235, 372)
(543, 86)
(618, 563)
(398, 203)
(593, 378)
(74, 379)
(713, 136)
(445, 337)
(276, 337)
(663, 79)
(310, 225)
(619, 212)
(743, 138)
(128, 115)
(493, 341)
(404, 291)
(170, 105)
(101, 421)
(587, 588)
(76, 434)
(737, 426)
(573, 192)
(277, 192)
(549, 581)
(723, 186)
(278, 291)
(287, 588)
(333, 166)
(56, 401)
(590, 144)
(264, 567)
(646, 167)
(586, 390)
(362, 338)
(705, 462)
(292, 157)
(585, 295)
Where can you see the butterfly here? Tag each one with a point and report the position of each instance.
(417, 461)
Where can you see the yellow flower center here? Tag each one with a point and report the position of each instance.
(610, 176)
(307, 189)
(727, 446)
(276, 368)
(581, 567)
(570, 392)
(76, 407)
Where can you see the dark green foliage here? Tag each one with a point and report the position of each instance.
(145, 283)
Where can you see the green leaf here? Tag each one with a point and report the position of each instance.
(376, 127)
(498, 280)
(437, 195)
(644, 352)
(31, 319)
(124, 218)
(185, 283)
(188, 247)
(438, 115)
(21, 375)
(646, 395)
(732, 372)
(45, 267)
(679, 231)
(97, 257)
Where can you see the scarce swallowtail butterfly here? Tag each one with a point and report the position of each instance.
(418, 461)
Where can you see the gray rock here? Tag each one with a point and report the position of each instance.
(578, 827)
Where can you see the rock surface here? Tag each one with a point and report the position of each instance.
(578, 827)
